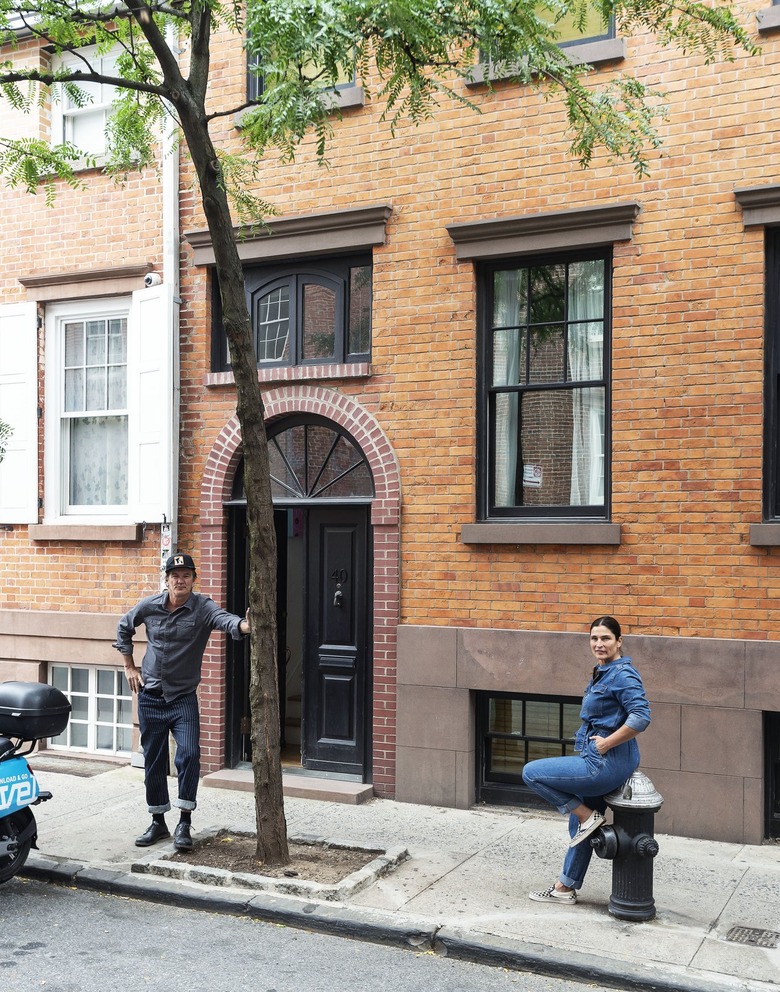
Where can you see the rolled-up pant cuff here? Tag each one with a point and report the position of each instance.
(160, 809)
(185, 804)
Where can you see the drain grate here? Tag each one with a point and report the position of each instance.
(754, 937)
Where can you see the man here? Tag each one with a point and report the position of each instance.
(178, 623)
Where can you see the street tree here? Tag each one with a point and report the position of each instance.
(410, 53)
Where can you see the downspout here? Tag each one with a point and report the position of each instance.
(169, 148)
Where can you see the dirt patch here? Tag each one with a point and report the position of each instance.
(312, 862)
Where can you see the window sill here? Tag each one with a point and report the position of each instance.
(768, 20)
(85, 532)
(295, 373)
(765, 535)
(593, 53)
(536, 532)
(346, 97)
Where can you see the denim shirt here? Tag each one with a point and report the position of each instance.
(615, 698)
(175, 640)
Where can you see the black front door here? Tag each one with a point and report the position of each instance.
(335, 664)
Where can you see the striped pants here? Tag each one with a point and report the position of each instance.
(157, 719)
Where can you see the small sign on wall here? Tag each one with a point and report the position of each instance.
(165, 550)
(532, 476)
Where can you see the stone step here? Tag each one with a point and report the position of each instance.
(295, 786)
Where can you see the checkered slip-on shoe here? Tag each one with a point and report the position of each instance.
(591, 825)
(555, 896)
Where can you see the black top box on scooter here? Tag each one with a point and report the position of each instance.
(32, 710)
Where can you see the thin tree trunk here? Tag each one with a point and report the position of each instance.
(272, 845)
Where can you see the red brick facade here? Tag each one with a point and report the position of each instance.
(687, 554)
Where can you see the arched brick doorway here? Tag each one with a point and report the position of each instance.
(218, 479)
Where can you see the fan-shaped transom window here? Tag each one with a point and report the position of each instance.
(312, 459)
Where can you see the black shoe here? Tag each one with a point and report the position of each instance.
(182, 840)
(154, 832)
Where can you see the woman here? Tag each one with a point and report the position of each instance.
(614, 711)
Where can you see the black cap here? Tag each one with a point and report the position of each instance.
(179, 561)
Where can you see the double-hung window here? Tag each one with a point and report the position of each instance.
(544, 391)
(94, 411)
(307, 315)
(83, 123)
(109, 409)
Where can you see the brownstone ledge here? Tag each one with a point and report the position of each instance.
(86, 532)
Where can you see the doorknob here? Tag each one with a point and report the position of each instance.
(338, 598)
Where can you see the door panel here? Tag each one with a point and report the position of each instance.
(335, 665)
(238, 720)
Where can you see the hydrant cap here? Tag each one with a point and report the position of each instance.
(637, 793)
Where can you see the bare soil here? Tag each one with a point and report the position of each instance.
(313, 862)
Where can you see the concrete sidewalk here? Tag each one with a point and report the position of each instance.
(462, 891)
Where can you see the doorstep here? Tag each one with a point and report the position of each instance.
(295, 786)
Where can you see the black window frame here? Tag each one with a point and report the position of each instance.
(334, 272)
(608, 35)
(506, 788)
(486, 511)
(772, 375)
(255, 81)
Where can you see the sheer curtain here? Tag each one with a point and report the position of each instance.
(95, 358)
(585, 356)
(506, 370)
(98, 461)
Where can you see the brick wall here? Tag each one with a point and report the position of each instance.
(687, 361)
(687, 348)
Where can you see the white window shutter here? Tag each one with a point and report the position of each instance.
(19, 409)
(150, 404)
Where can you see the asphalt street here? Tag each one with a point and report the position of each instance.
(70, 940)
(461, 891)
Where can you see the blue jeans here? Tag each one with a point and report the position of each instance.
(582, 779)
(157, 719)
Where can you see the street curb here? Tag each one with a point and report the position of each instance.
(338, 920)
(376, 926)
(554, 962)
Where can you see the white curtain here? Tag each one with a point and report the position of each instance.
(506, 371)
(585, 355)
(95, 353)
(98, 461)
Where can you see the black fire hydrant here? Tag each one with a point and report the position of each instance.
(630, 845)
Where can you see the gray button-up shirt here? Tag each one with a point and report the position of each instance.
(175, 640)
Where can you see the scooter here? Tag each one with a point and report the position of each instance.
(29, 712)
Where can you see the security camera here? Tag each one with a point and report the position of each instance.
(152, 279)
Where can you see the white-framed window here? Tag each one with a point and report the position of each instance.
(85, 126)
(101, 720)
(109, 410)
(93, 415)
